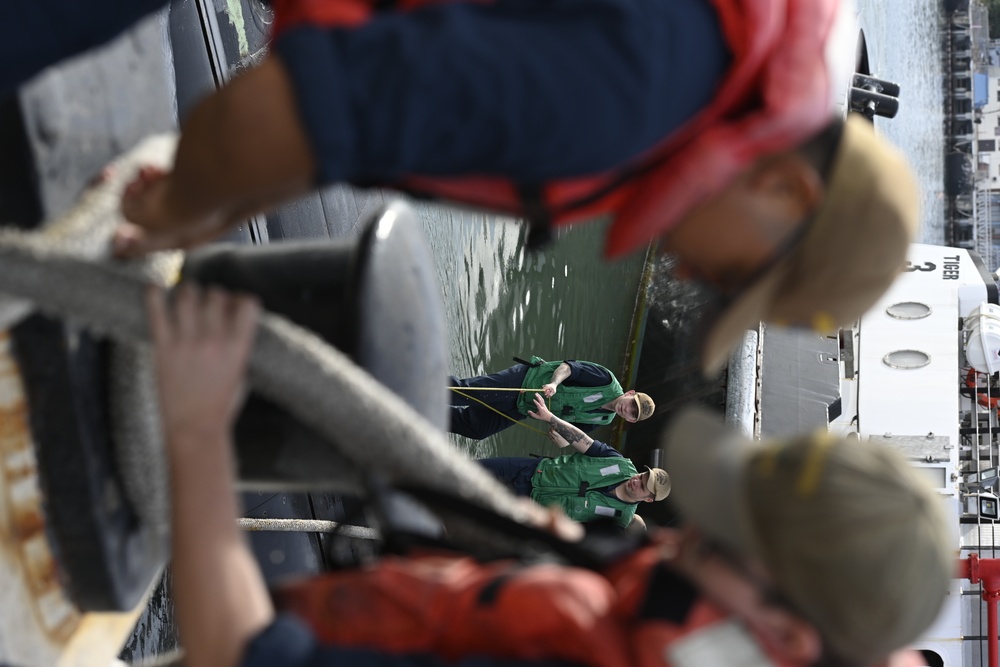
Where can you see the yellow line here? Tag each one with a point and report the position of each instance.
(461, 392)
(461, 389)
(636, 332)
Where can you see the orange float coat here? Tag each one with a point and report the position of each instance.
(455, 607)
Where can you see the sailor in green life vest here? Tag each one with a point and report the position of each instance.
(594, 482)
(580, 392)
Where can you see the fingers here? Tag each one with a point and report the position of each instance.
(552, 520)
(188, 314)
(145, 179)
(245, 315)
(102, 176)
(159, 320)
(247, 312)
(154, 221)
(139, 195)
(564, 527)
(132, 241)
(197, 312)
(125, 240)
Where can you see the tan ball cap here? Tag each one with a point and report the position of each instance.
(851, 534)
(644, 405)
(854, 247)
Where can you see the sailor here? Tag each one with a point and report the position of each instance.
(711, 125)
(593, 483)
(581, 392)
(810, 551)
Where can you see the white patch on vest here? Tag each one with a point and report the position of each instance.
(604, 511)
(593, 398)
(610, 470)
(725, 644)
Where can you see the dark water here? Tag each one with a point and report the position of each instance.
(502, 300)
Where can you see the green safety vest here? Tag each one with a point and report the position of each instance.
(572, 482)
(569, 403)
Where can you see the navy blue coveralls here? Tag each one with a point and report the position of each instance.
(476, 421)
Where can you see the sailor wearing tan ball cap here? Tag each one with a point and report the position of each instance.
(593, 483)
(832, 548)
(809, 238)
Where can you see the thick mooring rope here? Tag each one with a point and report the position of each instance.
(294, 368)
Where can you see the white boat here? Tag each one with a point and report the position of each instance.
(917, 373)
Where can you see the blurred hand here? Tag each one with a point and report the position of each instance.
(157, 221)
(201, 344)
(549, 390)
(552, 520)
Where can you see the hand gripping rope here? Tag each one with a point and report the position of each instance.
(61, 271)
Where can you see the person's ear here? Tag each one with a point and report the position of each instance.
(796, 639)
(647, 500)
(789, 183)
(630, 392)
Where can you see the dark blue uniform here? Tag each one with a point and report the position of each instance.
(287, 643)
(516, 471)
(474, 420)
(37, 33)
(527, 89)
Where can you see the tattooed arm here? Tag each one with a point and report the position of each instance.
(562, 372)
(561, 432)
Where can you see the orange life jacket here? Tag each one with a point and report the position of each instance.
(776, 94)
(453, 606)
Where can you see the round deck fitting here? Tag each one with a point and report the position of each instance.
(375, 299)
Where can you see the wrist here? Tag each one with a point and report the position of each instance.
(198, 438)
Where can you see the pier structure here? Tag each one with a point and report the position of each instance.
(972, 130)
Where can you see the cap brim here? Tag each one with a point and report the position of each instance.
(650, 486)
(746, 312)
(849, 251)
(706, 460)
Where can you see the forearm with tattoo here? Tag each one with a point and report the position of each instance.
(571, 434)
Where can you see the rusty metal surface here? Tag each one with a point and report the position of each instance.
(30, 584)
(39, 625)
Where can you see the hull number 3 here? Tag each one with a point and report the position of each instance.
(949, 269)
